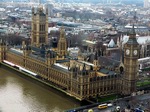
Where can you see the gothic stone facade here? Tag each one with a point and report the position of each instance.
(78, 78)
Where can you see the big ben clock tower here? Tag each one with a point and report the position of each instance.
(131, 54)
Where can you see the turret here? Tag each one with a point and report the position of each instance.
(2, 50)
(42, 50)
(32, 10)
(46, 11)
(95, 62)
(62, 45)
(51, 57)
(84, 71)
(26, 49)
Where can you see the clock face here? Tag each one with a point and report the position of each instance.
(135, 52)
(127, 52)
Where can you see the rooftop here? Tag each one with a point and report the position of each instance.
(140, 39)
(107, 62)
(87, 63)
(60, 67)
(17, 51)
(90, 42)
(37, 57)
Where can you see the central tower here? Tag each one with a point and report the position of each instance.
(39, 33)
(62, 44)
(131, 54)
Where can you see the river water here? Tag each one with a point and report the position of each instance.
(18, 94)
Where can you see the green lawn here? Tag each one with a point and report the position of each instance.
(145, 83)
(107, 98)
(146, 69)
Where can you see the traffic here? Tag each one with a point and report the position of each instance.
(19, 68)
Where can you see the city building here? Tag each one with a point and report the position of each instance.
(146, 3)
(78, 77)
(39, 27)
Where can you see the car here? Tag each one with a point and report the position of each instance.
(102, 106)
(139, 110)
(109, 104)
(117, 108)
(90, 110)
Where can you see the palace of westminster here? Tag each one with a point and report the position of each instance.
(79, 78)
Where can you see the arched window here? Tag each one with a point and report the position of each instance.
(121, 70)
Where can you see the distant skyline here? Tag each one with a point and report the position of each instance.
(138, 2)
(105, 1)
(101, 0)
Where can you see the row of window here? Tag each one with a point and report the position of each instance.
(93, 90)
(12, 58)
(39, 69)
(106, 82)
(34, 38)
(57, 76)
(42, 27)
(100, 90)
(41, 39)
(36, 67)
(103, 78)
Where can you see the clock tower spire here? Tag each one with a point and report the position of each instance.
(131, 49)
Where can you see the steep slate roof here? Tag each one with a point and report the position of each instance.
(60, 68)
(35, 49)
(37, 57)
(106, 71)
(132, 41)
(107, 62)
(132, 38)
(62, 61)
(116, 55)
(13, 51)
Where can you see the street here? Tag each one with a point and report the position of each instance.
(130, 103)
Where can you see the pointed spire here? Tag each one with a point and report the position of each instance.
(23, 44)
(96, 56)
(33, 10)
(134, 22)
(132, 37)
(84, 67)
(133, 30)
(118, 41)
(62, 33)
(120, 47)
(121, 55)
(2, 42)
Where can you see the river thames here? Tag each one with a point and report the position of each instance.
(18, 94)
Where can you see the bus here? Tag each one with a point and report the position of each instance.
(102, 106)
